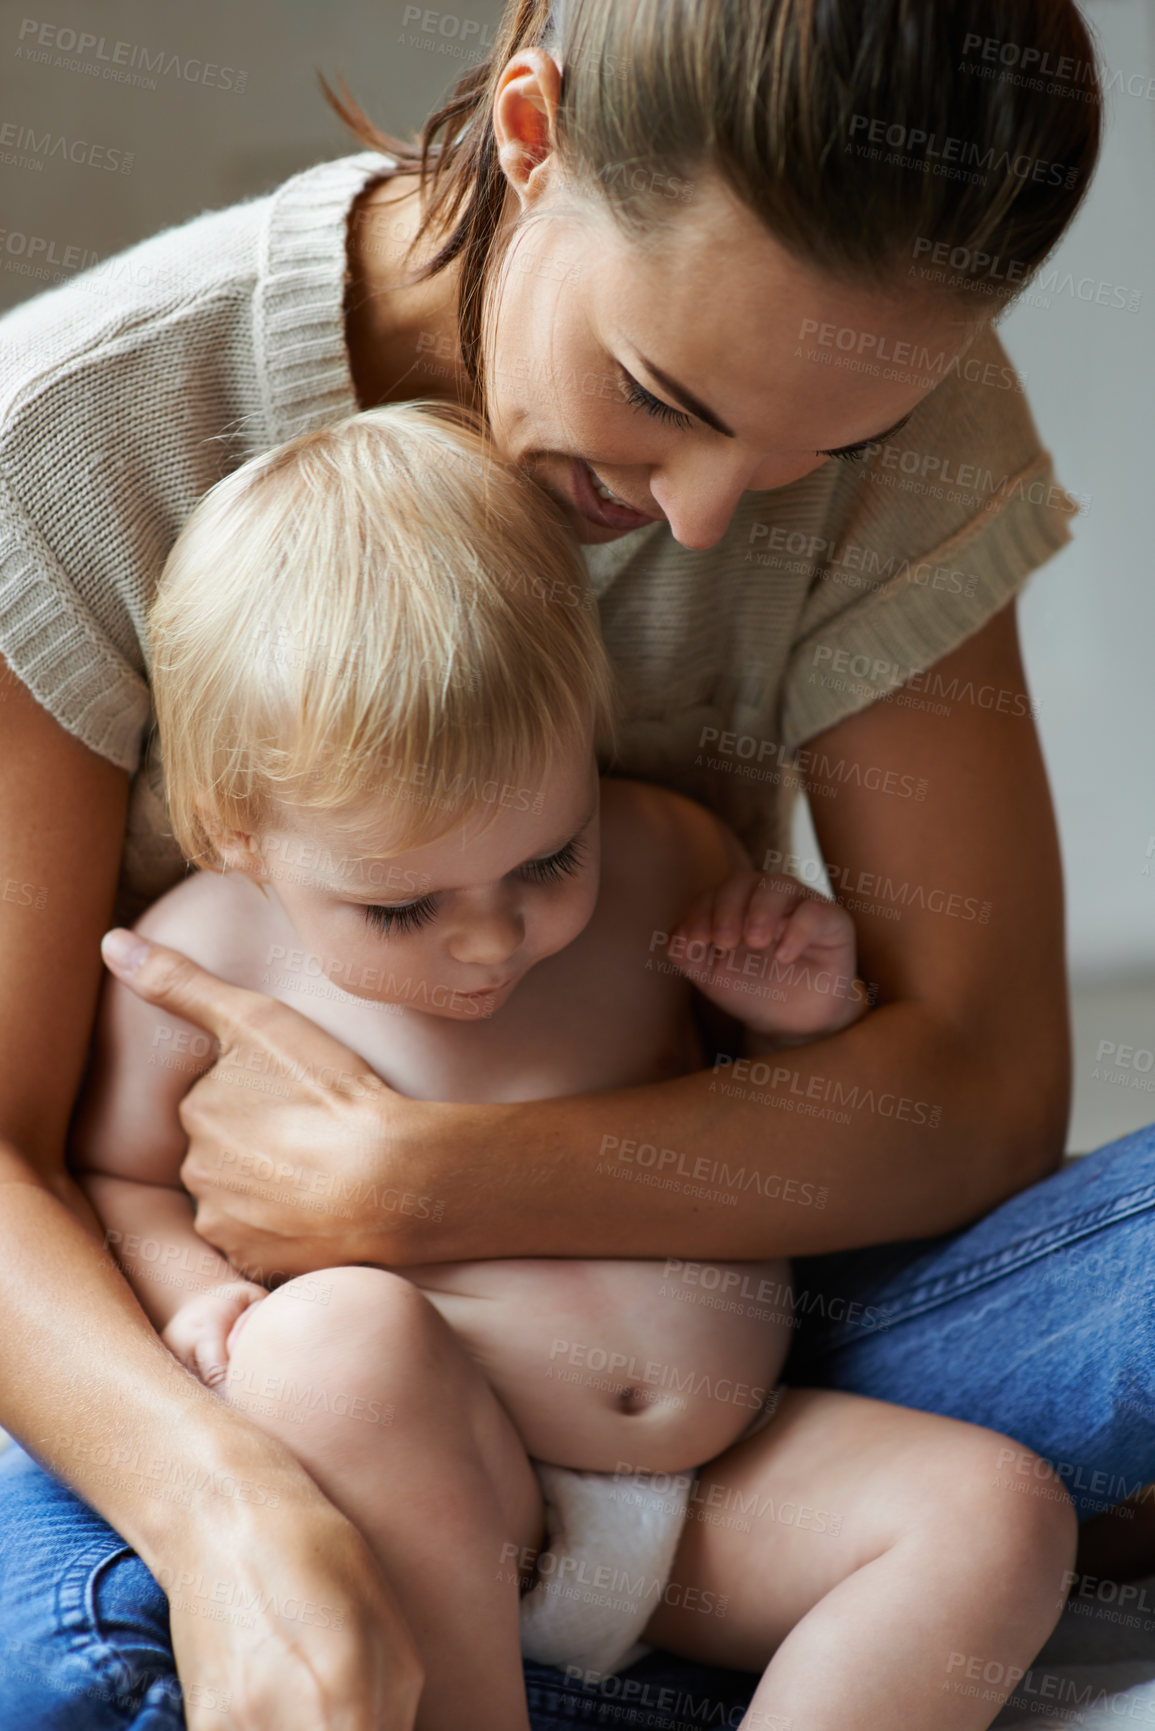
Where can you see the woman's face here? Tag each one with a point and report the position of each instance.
(681, 371)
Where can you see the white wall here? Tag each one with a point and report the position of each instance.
(1089, 616)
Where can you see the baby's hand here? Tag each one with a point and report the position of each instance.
(199, 1332)
(771, 953)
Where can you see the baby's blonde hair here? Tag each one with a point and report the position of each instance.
(376, 610)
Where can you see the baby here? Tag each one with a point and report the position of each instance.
(380, 689)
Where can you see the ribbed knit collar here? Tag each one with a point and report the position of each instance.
(299, 308)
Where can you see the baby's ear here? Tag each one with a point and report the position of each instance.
(239, 851)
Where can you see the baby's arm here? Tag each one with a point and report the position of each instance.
(127, 1145)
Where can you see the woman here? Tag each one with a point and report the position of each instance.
(679, 292)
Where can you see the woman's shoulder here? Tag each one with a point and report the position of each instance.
(101, 309)
(94, 303)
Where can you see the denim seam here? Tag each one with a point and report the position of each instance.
(944, 1288)
(76, 1612)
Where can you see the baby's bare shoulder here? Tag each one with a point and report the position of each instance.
(220, 920)
(659, 842)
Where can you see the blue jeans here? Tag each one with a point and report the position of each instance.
(1038, 1322)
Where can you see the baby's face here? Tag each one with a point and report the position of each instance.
(450, 927)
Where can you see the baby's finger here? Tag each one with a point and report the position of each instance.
(730, 903)
(211, 1362)
(697, 922)
(766, 916)
(815, 923)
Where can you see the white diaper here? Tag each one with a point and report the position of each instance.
(601, 1574)
(604, 1567)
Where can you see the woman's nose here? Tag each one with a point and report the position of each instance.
(700, 496)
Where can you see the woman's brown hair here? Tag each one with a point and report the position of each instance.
(885, 142)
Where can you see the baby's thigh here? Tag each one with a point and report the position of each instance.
(832, 1483)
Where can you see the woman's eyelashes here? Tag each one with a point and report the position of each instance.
(639, 398)
(854, 454)
(411, 916)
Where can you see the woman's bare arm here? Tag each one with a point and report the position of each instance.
(87, 1385)
(951, 1095)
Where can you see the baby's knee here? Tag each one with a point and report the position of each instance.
(1013, 1503)
(357, 1326)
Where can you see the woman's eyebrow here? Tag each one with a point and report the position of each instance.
(687, 399)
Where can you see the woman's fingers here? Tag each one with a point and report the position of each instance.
(293, 1139)
(173, 982)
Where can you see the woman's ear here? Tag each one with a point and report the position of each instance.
(525, 122)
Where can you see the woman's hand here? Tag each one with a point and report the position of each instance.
(299, 1155)
(773, 954)
(284, 1622)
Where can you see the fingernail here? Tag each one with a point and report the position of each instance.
(123, 950)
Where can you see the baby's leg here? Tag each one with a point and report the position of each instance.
(869, 1555)
(359, 1376)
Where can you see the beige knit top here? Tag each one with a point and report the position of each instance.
(128, 391)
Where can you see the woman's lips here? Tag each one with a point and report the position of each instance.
(601, 511)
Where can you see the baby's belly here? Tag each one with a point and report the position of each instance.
(621, 1365)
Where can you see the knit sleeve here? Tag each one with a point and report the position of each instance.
(51, 641)
(115, 390)
(935, 532)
